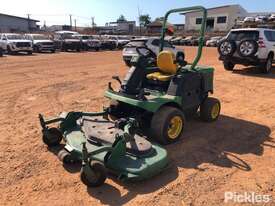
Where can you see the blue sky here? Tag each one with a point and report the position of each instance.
(57, 11)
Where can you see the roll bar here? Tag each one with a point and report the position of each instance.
(202, 31)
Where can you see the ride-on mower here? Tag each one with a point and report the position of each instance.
(149, 107)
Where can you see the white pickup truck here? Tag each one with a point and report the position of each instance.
(16, 43)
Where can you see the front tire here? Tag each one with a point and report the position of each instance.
(167, 125)
(94, 174)
(267, 66)
(210, 109)
(229, 66)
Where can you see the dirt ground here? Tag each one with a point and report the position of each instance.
(236, 153)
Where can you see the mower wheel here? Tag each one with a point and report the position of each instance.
(52, 137)
(65, 157)
(210, 109)
(94, 174)
(167, 125)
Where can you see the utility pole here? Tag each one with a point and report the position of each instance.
(71, 23)
(75, 24)
(29, 23)
(93, 22)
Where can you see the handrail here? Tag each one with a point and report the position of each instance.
(202, 31)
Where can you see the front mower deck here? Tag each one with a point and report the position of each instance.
(141, 159)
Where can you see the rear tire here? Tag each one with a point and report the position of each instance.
(65, 157)
(229, 66)
(167, 125)
(210, 109)
(1, 52)
(267, 66)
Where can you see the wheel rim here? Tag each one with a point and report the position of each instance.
(175, 127)
(215, 111)
(246, 48)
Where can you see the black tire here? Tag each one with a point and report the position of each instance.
(267, 66)
(161, 123)
(65, 157)
(94, 174)
(229, 66)
(210, 109)
(128, 63)
(52, 137)
(53, 51)
(227, 48)
(1, 52)
(9, 50)
(29, 52)
(97, 49)
(247, 48)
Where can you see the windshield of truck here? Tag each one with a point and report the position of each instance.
(240, 35)
(14, 36)
(40, 37)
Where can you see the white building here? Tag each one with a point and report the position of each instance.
(221, 18)
(9, 23)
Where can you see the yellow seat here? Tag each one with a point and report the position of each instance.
(167, 66)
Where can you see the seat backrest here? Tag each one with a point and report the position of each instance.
(166, 62)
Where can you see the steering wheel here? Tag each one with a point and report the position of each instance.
(148, 53)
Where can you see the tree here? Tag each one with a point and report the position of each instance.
(121, 18)
(144, 20)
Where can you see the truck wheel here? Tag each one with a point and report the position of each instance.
(94, 174)
(52, 137)
(267, 66)
(9, 50)
(167, 125)
(128, 63)
(210, 109)
(247, 48)
(29, 52)
(229, 66)
(1, 52)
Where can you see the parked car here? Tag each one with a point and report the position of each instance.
(121, 41)
(187, 41)
(16, 43)
(67, 41)
(41, 42)
(3, 47)
(107, 43)
(151, 43)
(272, 17)
(88, 42)
(249, 19)
(248, 46)
(214, 41)
(261, 19)
(176, 41)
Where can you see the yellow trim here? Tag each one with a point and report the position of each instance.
(159, 76)
(175, 127)
(215, 111)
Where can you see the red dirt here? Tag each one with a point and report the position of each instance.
(236, 153)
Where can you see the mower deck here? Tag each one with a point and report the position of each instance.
(141, 160)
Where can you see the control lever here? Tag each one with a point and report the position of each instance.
(117, 79)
